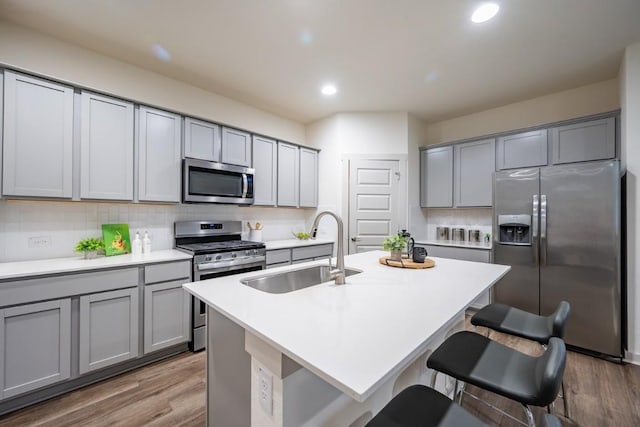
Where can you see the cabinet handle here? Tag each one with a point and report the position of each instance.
(355, 239)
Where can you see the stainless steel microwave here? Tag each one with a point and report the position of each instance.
(209, 182)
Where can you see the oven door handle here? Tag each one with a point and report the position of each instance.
(230, 263)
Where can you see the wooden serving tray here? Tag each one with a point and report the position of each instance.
(407, 263)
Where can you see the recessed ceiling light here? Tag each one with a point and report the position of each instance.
(329, 90)
(484, 12)
(160, 52)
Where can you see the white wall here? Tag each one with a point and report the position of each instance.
(582, 101)
(630, 99)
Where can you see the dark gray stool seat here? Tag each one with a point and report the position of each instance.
(477, 360)
(513, 321)
(422, 406)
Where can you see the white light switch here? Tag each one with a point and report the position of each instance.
(265, 390)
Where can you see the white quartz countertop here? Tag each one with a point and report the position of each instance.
(455, 244)
(294, 243)
(354, 336)
(18, 269)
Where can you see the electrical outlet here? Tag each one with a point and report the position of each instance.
(39, 241)
(265, 390)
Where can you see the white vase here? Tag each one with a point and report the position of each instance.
(90, 254)
(395, 255)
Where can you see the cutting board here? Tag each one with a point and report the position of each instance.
(407, 263)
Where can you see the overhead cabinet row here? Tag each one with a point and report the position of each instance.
(123, 151)
(461, 175)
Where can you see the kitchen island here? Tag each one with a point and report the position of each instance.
(330, 354)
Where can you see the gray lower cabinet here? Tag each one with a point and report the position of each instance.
(436, 177)
(236, 147)
(308, 178)
(585, 141)
(166, 315)
(106, 148)
(298, 254)
(288, 174)
(159, 140)
(522, 150)
(108, 328)
(474, 165)
(36, 346)
(201, 140)
(265, 164)
(37, 136)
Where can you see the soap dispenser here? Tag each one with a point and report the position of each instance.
(146, 243)
(136, 245)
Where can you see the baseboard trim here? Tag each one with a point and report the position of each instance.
(630, 357)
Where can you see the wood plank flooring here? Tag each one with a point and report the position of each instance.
(172, 393)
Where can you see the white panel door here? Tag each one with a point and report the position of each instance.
(159, 156)
(37, 137)
(106, 148)
(373, 203)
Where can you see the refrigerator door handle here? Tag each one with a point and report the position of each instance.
(534, 231)
(543, 229)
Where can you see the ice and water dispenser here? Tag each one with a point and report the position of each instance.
(514, 229)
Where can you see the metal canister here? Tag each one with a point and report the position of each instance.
(458, 234)
(474, 236)
(442, 233)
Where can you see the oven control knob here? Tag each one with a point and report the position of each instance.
(255, 252)
(218, 257)
(233, 255)
(247, 253)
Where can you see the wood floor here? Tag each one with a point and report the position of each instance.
(172, 393)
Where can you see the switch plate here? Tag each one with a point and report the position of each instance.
(265, 390)
(39, 242)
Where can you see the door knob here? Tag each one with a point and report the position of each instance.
(355, 239)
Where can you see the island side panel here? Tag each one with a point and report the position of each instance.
(228, 373)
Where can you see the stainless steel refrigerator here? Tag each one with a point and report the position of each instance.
(559, 229)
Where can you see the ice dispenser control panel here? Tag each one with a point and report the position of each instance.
(514, 229)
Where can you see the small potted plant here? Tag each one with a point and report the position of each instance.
(90, 247)
(395, 244)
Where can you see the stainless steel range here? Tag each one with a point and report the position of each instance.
(218, 250)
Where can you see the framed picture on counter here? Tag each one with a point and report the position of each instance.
(116, 239)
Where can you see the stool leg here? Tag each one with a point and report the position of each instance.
(564, 402)
(527, 412)
(433, 379)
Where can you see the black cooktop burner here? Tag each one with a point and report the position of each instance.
(215, 247)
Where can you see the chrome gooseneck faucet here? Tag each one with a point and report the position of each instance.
(338, 274)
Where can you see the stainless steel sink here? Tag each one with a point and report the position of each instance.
(280, 283)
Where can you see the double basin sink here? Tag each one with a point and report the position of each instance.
(293, 280)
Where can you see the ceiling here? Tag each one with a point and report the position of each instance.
(421, 56)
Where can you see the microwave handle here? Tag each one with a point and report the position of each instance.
(245, 185)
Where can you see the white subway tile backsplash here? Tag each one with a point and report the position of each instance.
(68, 222)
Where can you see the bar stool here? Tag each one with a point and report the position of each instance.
(477, 360)
(513, 321)
(422, 406)
(520, 323)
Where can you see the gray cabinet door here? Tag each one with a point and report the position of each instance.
(522, 150)
(265, 163)
(159, 156)
(201, 140)
(106, 148)
(37, 137)
(288, 174)
(108, 328)
(166, 315)
(36, 346)
(436, 182)
(581, 142)
(308, 178)
(474, 167)
(236, 147)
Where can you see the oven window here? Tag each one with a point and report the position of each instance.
(207, 182)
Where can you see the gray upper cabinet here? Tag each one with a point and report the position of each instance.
(159, 156)
(522, 150)
(308, 178)
(108, 328)
(436, 180)
(201, 140)
(474, 167)
(106, 148)
(580, 142)
(37, 137)
(288, 174)
(265, 163)
(36, 346)
(236, 147)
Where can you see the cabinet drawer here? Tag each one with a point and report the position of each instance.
(30, 290)
(464, 254)
(166, 272)
(311, 252)
(279, 256)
